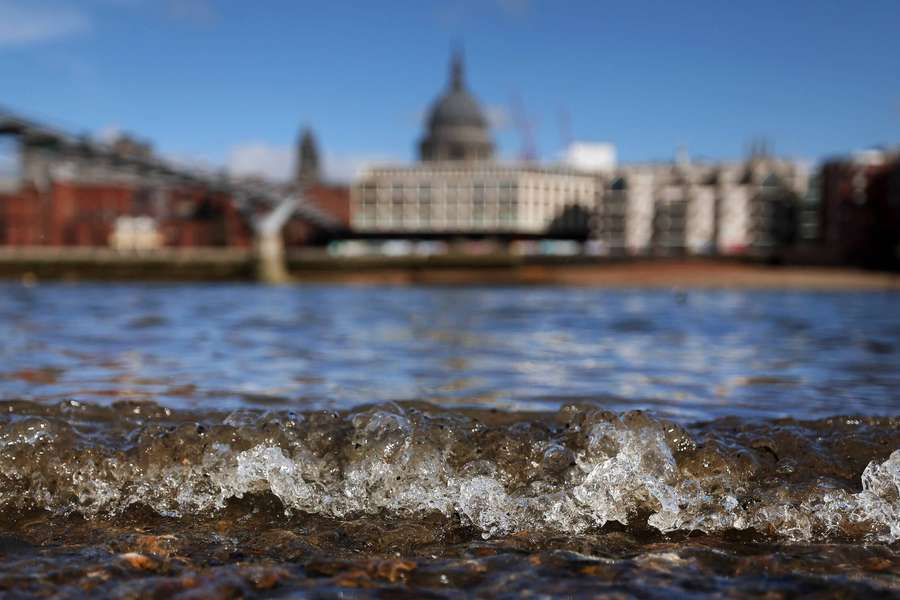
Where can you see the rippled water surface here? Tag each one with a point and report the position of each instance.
(692, 355)
(239, 441)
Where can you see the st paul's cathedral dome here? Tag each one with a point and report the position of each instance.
(457, 128)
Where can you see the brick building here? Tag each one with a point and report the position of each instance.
(860, 209)
(61, 190)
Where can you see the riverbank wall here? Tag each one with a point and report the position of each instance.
(314, 266)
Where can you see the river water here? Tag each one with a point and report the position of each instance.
(240, 441)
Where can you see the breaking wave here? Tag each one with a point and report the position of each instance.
(570, 471)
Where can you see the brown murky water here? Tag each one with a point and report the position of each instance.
(118, 482)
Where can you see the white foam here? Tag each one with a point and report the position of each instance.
(622, 469)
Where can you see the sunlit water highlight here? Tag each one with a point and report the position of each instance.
(691, 355)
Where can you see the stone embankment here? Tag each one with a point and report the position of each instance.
(316, 266)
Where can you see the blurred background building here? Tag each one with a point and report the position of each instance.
(61, 190)
(459, 189)
(696, 208)
(331, 199)
(859, 209)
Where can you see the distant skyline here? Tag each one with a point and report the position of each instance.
(231, 84)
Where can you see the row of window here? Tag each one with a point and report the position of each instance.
(475, 221)
(426, 191)
(399, 213)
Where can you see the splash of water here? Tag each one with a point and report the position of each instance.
(570, 472)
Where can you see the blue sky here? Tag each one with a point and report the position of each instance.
(230, 82)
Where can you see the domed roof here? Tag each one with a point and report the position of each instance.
(457, 106)
(457, 128)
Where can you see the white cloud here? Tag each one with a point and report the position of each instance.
(273, 162)
(108, 133)
(195, 162)
(260, 159)
(344, 168)
(24, 23)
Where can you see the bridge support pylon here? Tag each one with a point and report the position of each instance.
(271, 267)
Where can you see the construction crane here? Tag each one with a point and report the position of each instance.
(526, 127)
(565, 128)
